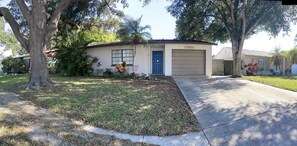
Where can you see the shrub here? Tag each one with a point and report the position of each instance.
(121, 67)
(107, 72)
(122, 76)
(252, 68)
(72, 58)
(14, 65)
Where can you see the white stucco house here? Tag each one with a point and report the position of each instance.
(158, 57)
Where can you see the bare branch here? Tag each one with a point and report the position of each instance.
(15, 27)
(24, 9)
(52, 25)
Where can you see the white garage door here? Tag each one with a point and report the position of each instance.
(188, 62)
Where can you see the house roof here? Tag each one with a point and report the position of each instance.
(155, 42)
(256, 53)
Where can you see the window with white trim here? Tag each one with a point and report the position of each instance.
(119, 56)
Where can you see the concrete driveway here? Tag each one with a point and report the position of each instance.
(239, 112)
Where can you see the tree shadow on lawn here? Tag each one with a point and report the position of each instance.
(134, 107)
(25, 124)
(231, 115)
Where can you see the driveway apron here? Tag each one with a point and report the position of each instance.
(239, 112)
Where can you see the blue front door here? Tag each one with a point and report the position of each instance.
(157, 62)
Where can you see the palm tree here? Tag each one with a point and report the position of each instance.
(292, 55)
(277, 56)
(133, 33)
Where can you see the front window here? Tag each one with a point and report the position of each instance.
(119, 56)
(262, 62)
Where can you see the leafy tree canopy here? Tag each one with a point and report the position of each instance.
(234, 20)
(7, 39)
(223, 20)
(35, 22)
(99, 35)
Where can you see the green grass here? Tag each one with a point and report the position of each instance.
(284, 82)
(12, 134)
(131, 106)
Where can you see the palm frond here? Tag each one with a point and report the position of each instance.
(131, 30)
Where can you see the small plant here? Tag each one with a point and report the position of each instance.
(121, 67)
(142, 76)
(150, 77)
(107, 72)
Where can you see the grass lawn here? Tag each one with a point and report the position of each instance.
(284, 82)
(131, 106)
(13, 134)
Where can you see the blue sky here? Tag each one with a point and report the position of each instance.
(163, 26)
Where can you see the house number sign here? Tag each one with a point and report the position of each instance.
(189, 47)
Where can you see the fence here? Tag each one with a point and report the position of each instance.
(217, 67)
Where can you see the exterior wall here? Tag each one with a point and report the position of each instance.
(255, 59)
(104, 55)
(141, 62)
(168, 56)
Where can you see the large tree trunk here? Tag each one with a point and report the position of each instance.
(37, 44)
(236, 51)
(42, 27)
(39, 73)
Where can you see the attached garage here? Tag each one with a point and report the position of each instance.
(188, 62)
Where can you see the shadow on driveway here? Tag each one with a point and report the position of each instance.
(239, 112)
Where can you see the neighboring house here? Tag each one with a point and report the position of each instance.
(158, 57)
(248, 56)
(49, 54)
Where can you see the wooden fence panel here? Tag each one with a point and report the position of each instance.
(217, 67)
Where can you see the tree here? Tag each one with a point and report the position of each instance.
(276, 57)
(72, 58)
(39, 23)
(291, 55)
(234, 20)
(132, 32)
(7, 39)
(98, 35)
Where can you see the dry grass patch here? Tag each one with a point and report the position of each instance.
(131, 106)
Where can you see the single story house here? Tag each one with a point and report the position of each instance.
(157, 57)
(262, 58)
